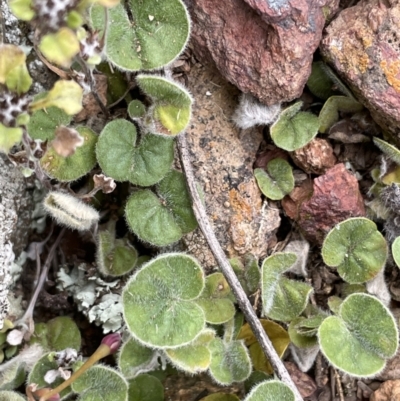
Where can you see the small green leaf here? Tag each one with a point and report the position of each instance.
(298, 339)
(319, 83)
(329, 113)
(43, 365)
(389, 150)
(277, 180)
(361, 338)
(255, 378)
(230, 362)
(396, 251)
(172, 103)
(232, 327)
(57, 334)
(294, 128)
(101, 383)
(18, 79)
(279, 339)
(9, 137)
(159, 301)
(66, 95)
(134, 358)
(120, 158)
(195, 357)
(157, 34)
(14, 375)
(115, 257)
(145, 388)
(66, 169)
(136, 109)
(248, 274)
(215, 301)
(43, 123)
(22, 9)
(356, 248)
(60, 47)
(164, 219)
(283, 299)
(11, 57)
(271, 390)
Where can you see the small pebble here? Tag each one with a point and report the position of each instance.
(227, 204)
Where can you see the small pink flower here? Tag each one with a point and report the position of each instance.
(113, 341)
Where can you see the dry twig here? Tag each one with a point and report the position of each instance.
(228, 272)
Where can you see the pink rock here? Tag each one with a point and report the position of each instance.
(363, 45)
(336, 197)
(263, 47)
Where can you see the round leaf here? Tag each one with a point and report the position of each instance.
(101, 383)
(158, 301)
(71, 168)
(136, 109)
(145, 388)
(9, 137)
(294, 128)
(271, 390)
(119, 158)
(134, 358)
(356, 248)
(318, 82)
(43, 123)
(360, 339)
(158, 34)
(162, 220)
(58, 334)
(277, 180)
(230, 362)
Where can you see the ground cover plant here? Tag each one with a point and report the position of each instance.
(119, 185)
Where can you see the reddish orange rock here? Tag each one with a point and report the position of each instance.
(336, 197)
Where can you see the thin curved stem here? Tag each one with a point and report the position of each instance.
(228, 272)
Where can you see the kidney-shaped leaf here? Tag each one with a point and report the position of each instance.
(283, 299)
(356, 248)
(361, 338)
(294, 128)
(162, 220)
(71, 168)
(120, 158)
(158, 301)
(101, 383)
(271, 390)
(156, 36)
(230, 362)
(277, 180)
